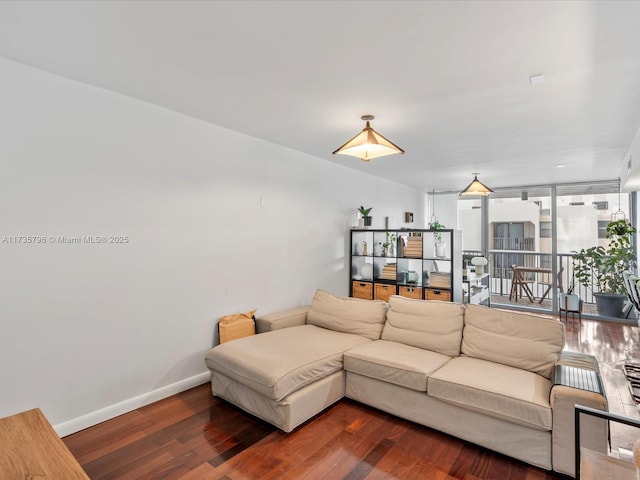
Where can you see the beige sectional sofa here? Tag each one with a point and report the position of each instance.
(484, 375)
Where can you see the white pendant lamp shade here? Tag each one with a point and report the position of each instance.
(368, 144)
(475, 188)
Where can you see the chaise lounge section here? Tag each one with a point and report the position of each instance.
(484, 375)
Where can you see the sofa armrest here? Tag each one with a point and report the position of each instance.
(576, 382)
(282, 319)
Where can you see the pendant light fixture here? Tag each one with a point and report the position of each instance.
(619, 215)
(433, 221)
(368, 144)
(475, 188)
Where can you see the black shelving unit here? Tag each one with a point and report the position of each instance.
(415, 263)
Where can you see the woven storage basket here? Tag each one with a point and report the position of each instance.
(431, 294)
(235, 326)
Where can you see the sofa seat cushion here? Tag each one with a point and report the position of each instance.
(501, 391)
(395, 363)
(280, 362)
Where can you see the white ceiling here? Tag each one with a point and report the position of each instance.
(447, 81)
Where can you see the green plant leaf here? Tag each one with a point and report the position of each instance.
(365, 211)
(601, 268)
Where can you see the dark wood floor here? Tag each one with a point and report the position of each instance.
(196, 436)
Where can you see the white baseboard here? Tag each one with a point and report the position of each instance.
(90, 419)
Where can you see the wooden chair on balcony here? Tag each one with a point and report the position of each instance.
(520, 282)
(546, 280)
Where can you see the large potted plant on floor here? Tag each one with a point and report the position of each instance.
(600, 268)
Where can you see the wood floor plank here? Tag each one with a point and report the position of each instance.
(144, 467)
(200, 472)
(397, 463)
(369, 462)
(108, 436)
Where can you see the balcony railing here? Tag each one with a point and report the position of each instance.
(501, 260)
(509, 243)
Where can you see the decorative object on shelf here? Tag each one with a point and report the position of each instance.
(413, 248)
(366, 219)
(392, 223)
(479, 263)
(601, 269)
(440, 280)
(441, 247)
(368, 144)
(389, 246)
(366, 271)
(365, 252)
(392, 239)
(389, 272)
(412, 276)
(476, 187)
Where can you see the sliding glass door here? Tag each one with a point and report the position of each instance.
(530, 234)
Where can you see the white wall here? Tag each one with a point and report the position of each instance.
(470, 222)
(217, 222)
(444, 206)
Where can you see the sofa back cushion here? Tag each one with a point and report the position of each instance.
(520, 340)
(348, 315)
(431, 325)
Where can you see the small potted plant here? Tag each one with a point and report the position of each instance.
(600, 268)
(391, 240)
(366, 219)
(441, 246)
(388, 246)
(569, 301)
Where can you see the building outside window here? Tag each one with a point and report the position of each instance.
(520, 233)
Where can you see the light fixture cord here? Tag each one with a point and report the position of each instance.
(619, 188)
(433, 206)
(620, 214)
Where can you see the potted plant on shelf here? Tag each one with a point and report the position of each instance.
(391, 240)
(600, 268)
(388, 246)
(441, 246)
(366, 219)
